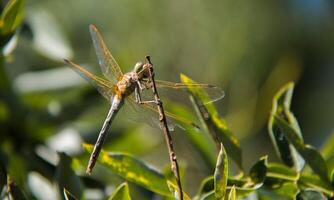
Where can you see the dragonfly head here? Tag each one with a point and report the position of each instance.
(138, 67)
(141, 70)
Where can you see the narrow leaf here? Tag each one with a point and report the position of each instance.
(174, 190)
(216, 125)
(48, 37)
(288, 189)
(232, 195)
(3, 177)
(209, 196)
(133, 170)
(11, 16)
(202, 142)
(312, 181)
(121, 193)
(282, 172)
(66, 178)
(310, 195)
(258, 171)
(309, 153)
(14, 191)
(68, 195)
(327, 151)
(281, 107)
(221, 174)
(243, 186)
(206, 186)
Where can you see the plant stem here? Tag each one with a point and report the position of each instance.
(168, 137)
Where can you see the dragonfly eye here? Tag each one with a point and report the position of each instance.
(138, 67)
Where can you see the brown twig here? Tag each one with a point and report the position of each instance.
(163, 121)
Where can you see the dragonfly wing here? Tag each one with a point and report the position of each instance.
(108, 64)
(214, 92)
(149, 114)
(102, 85)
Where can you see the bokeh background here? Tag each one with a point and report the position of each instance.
(248, 48)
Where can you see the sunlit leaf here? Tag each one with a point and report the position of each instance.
(289, 189)
(312, 181)
(327, 151)
(281, 107)
(202, 142)
(48, 37)
(221, 174)
(243, 186)
(121, 193)
(174, 190)
(68, 195)
(66, 178)
(216, 125)
(11, 17)
(279, 171)
(133, 170)
(41, 186)
(309, 153)
(232, 195)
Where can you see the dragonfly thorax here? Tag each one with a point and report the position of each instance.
(127, 84)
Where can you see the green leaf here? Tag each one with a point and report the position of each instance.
(216, 125)
(11, 17)
(279, 171)
(221, 174)
(66, 178)
(48, 37)
(201, 141)
(332, 177)
(18, 172)
(206, 186)
(309, 153)
(68, 195)
(14, 191)
(327, 151)
(3, 177)
(174, 190)
(281, 107)
(310, 195)
(288, 189)
(133, 170)
(312, 181)
(121, 193)
(258, 171)
(243, 187)
(209, 196)
(232, 195)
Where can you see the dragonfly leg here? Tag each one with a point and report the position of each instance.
(138, 97)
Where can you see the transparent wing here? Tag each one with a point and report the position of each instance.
(214, 92)
(108, 64)
(103, 86)
(149, 114)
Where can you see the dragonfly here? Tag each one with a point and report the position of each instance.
(127, 88)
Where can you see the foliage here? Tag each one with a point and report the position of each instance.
(28, 119)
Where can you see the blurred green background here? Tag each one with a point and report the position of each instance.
(248, 48)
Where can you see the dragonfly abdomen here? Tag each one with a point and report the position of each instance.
(115, 106)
